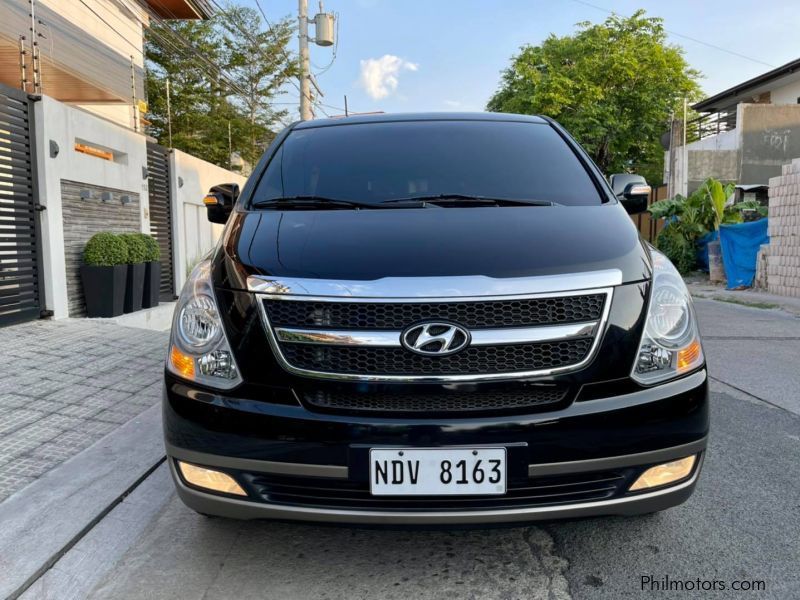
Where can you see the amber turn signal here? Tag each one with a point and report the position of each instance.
(210, 200)
(182, 363)
(689, 355)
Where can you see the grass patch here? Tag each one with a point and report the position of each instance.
(764, 305)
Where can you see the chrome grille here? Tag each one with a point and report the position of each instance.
(348, 330)
(388, 315)
(473, 360)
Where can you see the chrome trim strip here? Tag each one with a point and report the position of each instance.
(600, 331)
(247, 509)
(416, 288)
(480, 337)
(329, 337)
(616, 462)
(260, 466)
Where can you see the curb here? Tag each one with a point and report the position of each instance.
(42, 521)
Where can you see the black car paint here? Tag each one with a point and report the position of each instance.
(264, 417)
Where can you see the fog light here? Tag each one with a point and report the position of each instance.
(210, 479)
(664, 474)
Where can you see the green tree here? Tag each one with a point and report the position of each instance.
(223, 72)
(261, 69)
(612, 85)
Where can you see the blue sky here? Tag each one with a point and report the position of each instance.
(415, 55)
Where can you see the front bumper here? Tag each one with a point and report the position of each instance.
(299, 465)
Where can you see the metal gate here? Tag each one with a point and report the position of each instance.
(20, 267)
(161, 213)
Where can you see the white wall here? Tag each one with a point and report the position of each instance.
(63, 124)
(193, 235)
(95, 16)
(786, 94)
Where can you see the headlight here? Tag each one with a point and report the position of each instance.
(670, 343)
(199, 350)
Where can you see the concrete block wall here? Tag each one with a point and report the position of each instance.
(783, 259)
(59, 127)
(68, 221)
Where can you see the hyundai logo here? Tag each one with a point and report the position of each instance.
(435, 339)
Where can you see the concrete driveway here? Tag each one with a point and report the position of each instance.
(740, 528)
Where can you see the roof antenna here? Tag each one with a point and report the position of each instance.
(346, 114)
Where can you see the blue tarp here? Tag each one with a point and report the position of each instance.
(702, 249)
(740, 243)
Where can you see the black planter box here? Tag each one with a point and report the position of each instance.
(134, 288)
(152, 284)
(104, 289)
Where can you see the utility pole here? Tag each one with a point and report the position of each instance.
(305, 88)
(230, 148)
(323, 25)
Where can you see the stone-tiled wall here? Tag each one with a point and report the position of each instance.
(85, 217)
(783, 259)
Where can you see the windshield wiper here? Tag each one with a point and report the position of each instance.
(310, 202)
(464, 200)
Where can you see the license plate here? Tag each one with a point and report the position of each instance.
(437, 471)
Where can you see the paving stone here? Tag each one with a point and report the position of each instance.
(65, 385)
(12, 483)
(75, 394)
(45, 405)
(78, 411)
(13, 401)
(12, 420)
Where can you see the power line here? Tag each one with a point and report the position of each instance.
(177, 44)
(111, 27)
(245, 33)
(686, 37)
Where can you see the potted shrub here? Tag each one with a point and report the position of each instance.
(137, 253)
(103, 274)
(152, 272)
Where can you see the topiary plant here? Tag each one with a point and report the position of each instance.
(153, 251)
(105, 249)
(137, 248)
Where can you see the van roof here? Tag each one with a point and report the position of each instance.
(430, 116)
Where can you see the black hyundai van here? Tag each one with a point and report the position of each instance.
(433, 319)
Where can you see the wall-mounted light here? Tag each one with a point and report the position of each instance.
(54, 149)
(145, 173)
(180, 182)
(106, 196)
(126, 199)
(86, 194)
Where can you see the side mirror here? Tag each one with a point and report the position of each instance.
(635, 197)
(219, 202)
(631, 190)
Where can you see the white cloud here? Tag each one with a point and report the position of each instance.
(379, 76)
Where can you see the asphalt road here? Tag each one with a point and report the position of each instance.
(742, 524)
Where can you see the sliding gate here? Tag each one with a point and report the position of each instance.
(161, 214)
(20, 267)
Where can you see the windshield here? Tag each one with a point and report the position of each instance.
(375, 162)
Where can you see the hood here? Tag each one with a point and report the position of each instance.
(433, 242)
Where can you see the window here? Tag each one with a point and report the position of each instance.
(373, 162)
